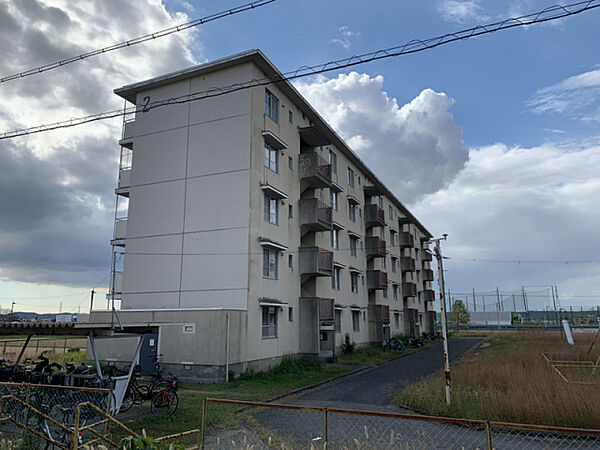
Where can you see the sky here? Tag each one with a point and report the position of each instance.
(492, 140)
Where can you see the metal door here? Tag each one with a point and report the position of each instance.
(148, 353)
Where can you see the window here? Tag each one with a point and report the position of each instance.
(271, 158)
(350, 177)
(352, 211)
(335, 239)
(291, 117)
(334, 200)
(382, 233)
(355, 320)
(290, 211)
(271, 106)
(335, 280)
(381, 201)
(291, 314)
(397, 320)
(271, 209)
(391, 212)
(354, 282)
(337, 323)
(269, 322)
(353, 246)
(385, 293)
(394, 261)
(395, 290)
(392, 239)
(290, 261)
(333, 161)
(383, 263)
(359, 180)
(290, 163)
(270, 263)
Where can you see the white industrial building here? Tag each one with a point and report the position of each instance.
(248, 209)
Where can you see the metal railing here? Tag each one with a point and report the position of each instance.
(325, 260)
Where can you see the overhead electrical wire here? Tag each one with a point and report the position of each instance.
(523, 261)
(413, 46)
(137, 40)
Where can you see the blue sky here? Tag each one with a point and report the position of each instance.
(493, 140)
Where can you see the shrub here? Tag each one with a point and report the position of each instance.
(348, 345)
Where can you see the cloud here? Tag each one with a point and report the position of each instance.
(514, 203)
(577, 97)
(56, 189)
(344, 37)
(461, 11)
(416, 149)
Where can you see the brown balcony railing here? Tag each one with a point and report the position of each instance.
(326, 308)
(374, 216)
(377, 279)
(325, 260)
(385, 313)
(429, 295)
(427, 256)
(314, 169)
(409, 289)
(406, 240)
(315, 261)
(427, 275)
(315, 215)
(324, 213)
(407, 264)
(374, 246)
(323, 168)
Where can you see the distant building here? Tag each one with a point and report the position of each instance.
(249, 206)
(66, 317)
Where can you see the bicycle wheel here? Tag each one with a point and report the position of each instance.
(128, 399)
(158, 386)
(164, 403)
(142, 394)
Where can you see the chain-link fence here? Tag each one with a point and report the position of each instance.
(34, 414)
(266, 425)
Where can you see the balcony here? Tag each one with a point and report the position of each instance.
(381, 313)
(120, 232)
(374, 216)
(124, 182)
(429, 295)
(315, 215)
(409, 289)
(128, 131)
(376, 279)
(406, 239)
(407, 264)
(326, 308)
(426, 256)
(427, 275)
(375, 247)
(429, 306)
(315, 261)
(116, 284)
(314, 170)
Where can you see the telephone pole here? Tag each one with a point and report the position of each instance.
(12, 310)
(92, 300)
(474, 304)
(438, 257)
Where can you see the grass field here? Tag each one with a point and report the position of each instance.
(507, 379)
(373, 355)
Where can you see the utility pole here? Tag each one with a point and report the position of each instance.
(92, 300)
(474, 304)
(12, 310)
(60, 307)
(514, 303)
(483, 299)
(525, 303)
(498, 307)
(438, 256)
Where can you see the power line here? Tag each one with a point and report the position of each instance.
(138, 40)
(524, 261)
(413, 46)
(86, 295)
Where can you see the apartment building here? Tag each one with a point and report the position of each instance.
(248, 230)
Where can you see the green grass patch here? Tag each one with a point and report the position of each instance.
(375, 354)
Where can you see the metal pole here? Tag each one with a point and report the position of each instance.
(227, 350)
(514, 303)
(474, 304)
(114, 283)
(498, 308)
(438, 256)
(525, 303)
(483, 300)
(92, 300)
(204, 402)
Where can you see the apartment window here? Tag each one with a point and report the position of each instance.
(270, 263)
(391, 212)
(381, 201)
(271, 209)
(334, 200)
(335, 280)
(291, 116)
(271, 158)
(337, 322)
(394, 261)
(269, 322)
(354, 282)
(350, 177)
(333, 161)
(291, 314)
(335, 239)
(290, 211)
(385, 293)
(290, 163)
(359, 180)
(352, 211)
(353, 246)
(397, 320)
(395, 291)
(271, 106)
(383, 263)
(355, 320)
(392, 239)
(382, 233)
(290, 261)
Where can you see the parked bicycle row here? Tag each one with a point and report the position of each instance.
(399, 343)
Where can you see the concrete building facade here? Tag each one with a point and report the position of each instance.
(248, 230)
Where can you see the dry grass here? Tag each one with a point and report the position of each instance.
(510, 381)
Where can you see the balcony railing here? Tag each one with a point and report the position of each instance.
(120, 229)
(427, 275)
(116, 283)
(407, 264)
(128, 132)
(409, 289)
(429, 295)
(315, 215)
(407, 240)
(375, 247)
(326, 309)
(124, 182)
(315, 170)
(426, 256)
(380, 313)
(374, 216)
(376, 279)
(315, 261)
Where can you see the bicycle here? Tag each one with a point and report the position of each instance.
(165, 401)
(137, 393)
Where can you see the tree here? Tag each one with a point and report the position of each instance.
(459, 315)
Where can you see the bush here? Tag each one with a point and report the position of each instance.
(288, 365)
(348, 345)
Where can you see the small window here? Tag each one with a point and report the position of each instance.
(271, 156)
(189, 328)
(270, 263)
(335, 280)
(353, 246)
(382, 233)
(381, 201)
(354, 282)
(271, 209)
(395, 290)
(350, 177)
(397, 320)
(291, 314)
(334, 200)
(291, 116)
(271, 106)
(333, 161)
(394, 265)
(359, 180)
(383, 263)
(290, 211)
(335, 239)
(356, 321)
(352, 211)
(290, 163)
(290, 261)
(392, 239)
(269, 322)
(391, 212)
(385, 293)
(337, 323)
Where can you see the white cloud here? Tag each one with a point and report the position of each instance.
(577, 96)
(461, 11)
(56, 189)
(344, 37)
(416, 149)
(518, 203)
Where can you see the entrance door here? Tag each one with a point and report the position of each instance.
(148, 354)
